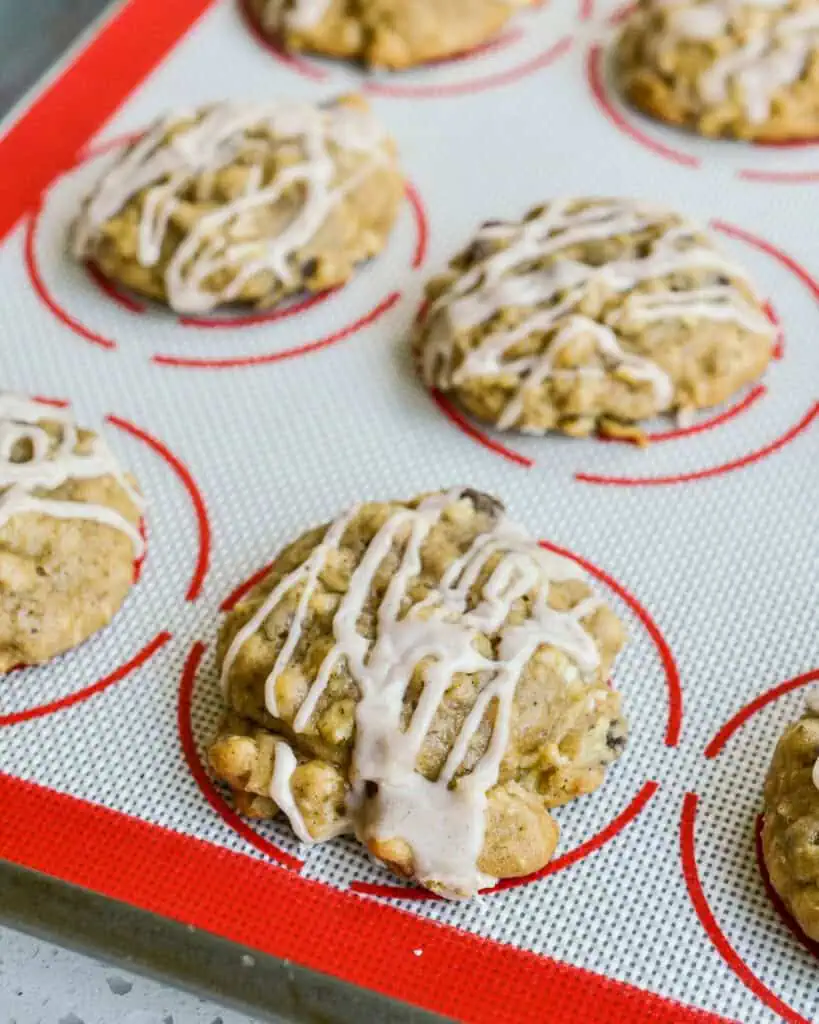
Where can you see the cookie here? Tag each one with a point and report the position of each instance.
(425, 675)
(725, 67)
(591, 314)
(244, 203)
(791, 824)
(383, 33)
(69, 532)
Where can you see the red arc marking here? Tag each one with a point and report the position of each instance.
(709, 922)
(780, 177)
(726, 416)
(230, 362)
(235, 596)
(594, 74)
(463, 424)
(713, 471)
(672, 675)
(430, 91)
(45, 295)
(719, 742)
(114, 677)
(203, 780)
(596, 842)
(270, 316)
(107, 287)
(788, 262)
(421, 225)
(199, 508)
(782, 911)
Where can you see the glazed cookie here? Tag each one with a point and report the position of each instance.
(384, 33)
(725, 67)
(425, 675)
(791, 825)
(591, 314)
(244, 203)
(69, 533)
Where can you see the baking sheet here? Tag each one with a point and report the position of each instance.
(242, 434)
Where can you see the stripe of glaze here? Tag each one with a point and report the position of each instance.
(672, 674)
(596, 842)
(203, 780)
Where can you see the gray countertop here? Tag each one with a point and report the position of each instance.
(41, 983)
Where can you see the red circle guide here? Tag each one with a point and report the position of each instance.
(678, 146)
(692, 805)
(748, 403)
(511, 51)
(603, 836)
(132, 304)
(138, 658)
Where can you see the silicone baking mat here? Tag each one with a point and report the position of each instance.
(244, 430)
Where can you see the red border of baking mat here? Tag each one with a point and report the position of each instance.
(338, 933)
(457, 973)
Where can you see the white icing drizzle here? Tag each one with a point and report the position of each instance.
(49, 467)
(812, 702)
(493, 284)
(284, 764)
(773, 55)
(441, 820)
(220, 242)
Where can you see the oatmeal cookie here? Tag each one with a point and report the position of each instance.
(383, 33)
(591, 314)
(725, 67)
(244, 203)
(790, 835)
(425, 675)
(69, 533)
